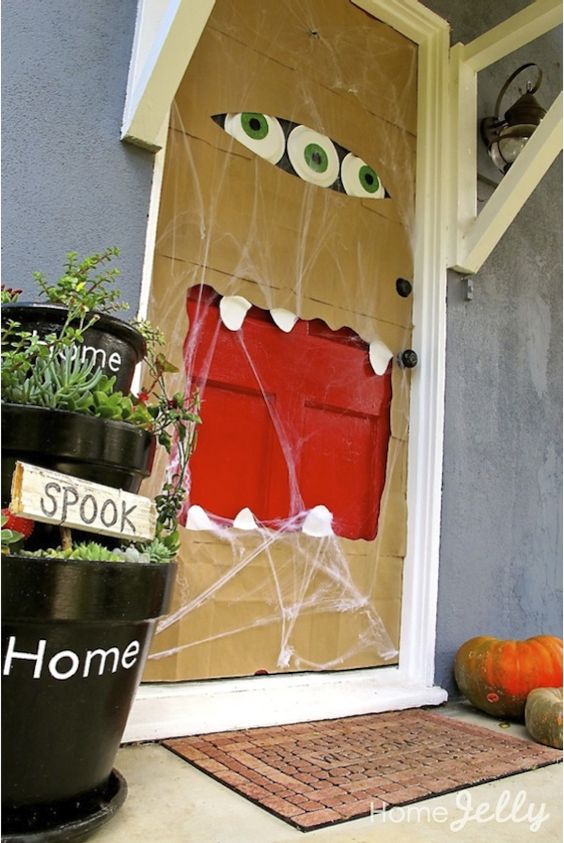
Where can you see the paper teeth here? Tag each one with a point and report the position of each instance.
(318, 522)
(285, 319)
(233, 310)
(379, 355)
(198, 519)
(245, 520)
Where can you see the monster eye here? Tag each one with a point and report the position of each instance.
(359, 179)
(313, 156)
(258, 132)
(303, 152)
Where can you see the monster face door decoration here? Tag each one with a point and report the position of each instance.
(347, 480)
(281, 236)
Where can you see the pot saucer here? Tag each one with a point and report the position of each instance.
(72, 821)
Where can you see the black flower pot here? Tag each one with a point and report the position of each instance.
(113, 453)
(75, 637)
(114, 345)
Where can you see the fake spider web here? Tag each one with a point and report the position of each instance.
(288, 594)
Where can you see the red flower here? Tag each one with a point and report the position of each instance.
(18, 524)
(143, 396)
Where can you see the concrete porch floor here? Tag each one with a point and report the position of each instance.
(170, 801)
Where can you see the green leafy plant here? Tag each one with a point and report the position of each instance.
(9, 537)
(86, 285)
(9, 294)
(175, 424)
(87, 551)
(59, 382)
(154, 551)
(49, 372)
(86, 290)
(161, 549)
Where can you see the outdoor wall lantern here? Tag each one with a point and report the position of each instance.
(506, 136)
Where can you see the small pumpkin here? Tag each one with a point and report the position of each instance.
(543, 716)
(497, 675)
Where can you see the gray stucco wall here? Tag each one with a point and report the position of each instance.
(501, 542)
(68, 183)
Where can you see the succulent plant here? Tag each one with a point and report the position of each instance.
(60, 381)
(87, 551)
(9, 536)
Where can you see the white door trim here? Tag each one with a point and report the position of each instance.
(197, 708)
(170, 709)
(166, 34)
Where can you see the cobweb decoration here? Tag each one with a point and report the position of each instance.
(288, 593)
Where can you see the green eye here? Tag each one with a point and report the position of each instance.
(359, 179)
(254, 125)
(316, 158)
(368, 179)
(260, 133)
(313, 156)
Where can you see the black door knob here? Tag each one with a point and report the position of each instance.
(408, 359)
(403, 287)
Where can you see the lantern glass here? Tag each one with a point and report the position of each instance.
(510, 142)
(505, 136)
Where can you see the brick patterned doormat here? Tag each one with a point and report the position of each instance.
(315, 774)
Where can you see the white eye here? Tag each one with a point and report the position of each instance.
(360, 180)
(313, 156)
(258, 132)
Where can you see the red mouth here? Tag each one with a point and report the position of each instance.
(290, 421)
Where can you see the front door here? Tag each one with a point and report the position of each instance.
(282, 278)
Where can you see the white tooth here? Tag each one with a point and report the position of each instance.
(285, 319)
(233, 310)
(380, 355)
(318, 522)
(198, 519)
(245, 520)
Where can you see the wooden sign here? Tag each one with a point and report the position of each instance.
(55, 498)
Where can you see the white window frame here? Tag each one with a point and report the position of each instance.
(166, 35)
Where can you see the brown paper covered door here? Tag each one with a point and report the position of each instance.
(276, 276)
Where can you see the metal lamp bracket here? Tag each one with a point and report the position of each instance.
(468, 287)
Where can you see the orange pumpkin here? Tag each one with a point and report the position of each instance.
(497, 675)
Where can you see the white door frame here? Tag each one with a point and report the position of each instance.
(167, 33)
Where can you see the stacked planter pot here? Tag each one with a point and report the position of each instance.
(113, 453)
(75, 634)
(114, 345)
